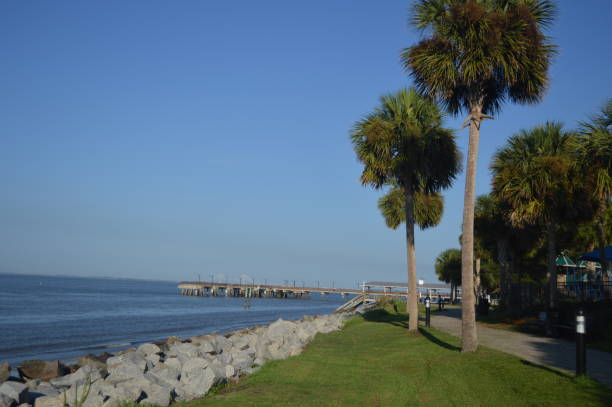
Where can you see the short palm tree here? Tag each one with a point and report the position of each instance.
(403, 143)
(534, 175)
(592, 145)
(448, 268)
(476, 55)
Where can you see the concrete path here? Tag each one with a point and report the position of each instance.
(551, 352)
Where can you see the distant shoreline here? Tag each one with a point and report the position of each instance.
(88, 277)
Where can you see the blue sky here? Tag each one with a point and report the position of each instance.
(155, 139)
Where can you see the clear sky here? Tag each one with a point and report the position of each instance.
(157, 139)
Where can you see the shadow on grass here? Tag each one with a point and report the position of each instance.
(382, 315)
(438, 341)
(548, 369)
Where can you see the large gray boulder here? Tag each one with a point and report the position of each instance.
(218, 369)
(42, 389)
(5, 372)
(305, 332)
(172, 362)
(239, 342)
(262, 352)
(152, 359)
(135, 358)
(221, 344)
(93, 400)
(206, 347)
(124, 372)
(85, 375)
(15, 390)
(196, 384)
(49, 401)
(130, 390)
(98, 361)
(158, 395)
(183, 348)
(276, 351)
(279, 330)
(149, 349)
(163, 376)
(230, 371)
(103, 388)
(241, 360)
(6, 401)
(225, 358)
(206, 343)
(194, 364)
(120, 394)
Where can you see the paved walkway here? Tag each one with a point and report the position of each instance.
(551, 352)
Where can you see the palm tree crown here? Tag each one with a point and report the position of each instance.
(533, 173)
(593, 148)
(481, 52)
(401, 142)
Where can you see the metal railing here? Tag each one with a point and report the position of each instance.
(593, 290)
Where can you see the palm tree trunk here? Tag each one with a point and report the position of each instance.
(413, 304)
(469, 336)
(551, 273)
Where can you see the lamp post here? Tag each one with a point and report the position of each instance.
(427, 312)
(580, 346)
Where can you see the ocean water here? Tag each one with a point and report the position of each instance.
(49, 317)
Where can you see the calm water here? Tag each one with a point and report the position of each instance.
(45, 317)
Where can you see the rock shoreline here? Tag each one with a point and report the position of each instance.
(162, 372)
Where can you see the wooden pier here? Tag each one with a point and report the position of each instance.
(210, 289)
(224, 289)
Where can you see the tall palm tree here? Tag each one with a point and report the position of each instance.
(403, 143)
(534, 175)
(476, 55)
(593, 148)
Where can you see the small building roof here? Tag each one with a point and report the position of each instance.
(564, 261)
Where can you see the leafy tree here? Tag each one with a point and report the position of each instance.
(534, 175)
(476, 54)
(402, 142)
(593, 148)
(448, 268)
(494, 233)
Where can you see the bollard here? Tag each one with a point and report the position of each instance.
(580, 345)
(427, 312)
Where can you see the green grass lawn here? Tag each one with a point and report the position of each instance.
(374, 361)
